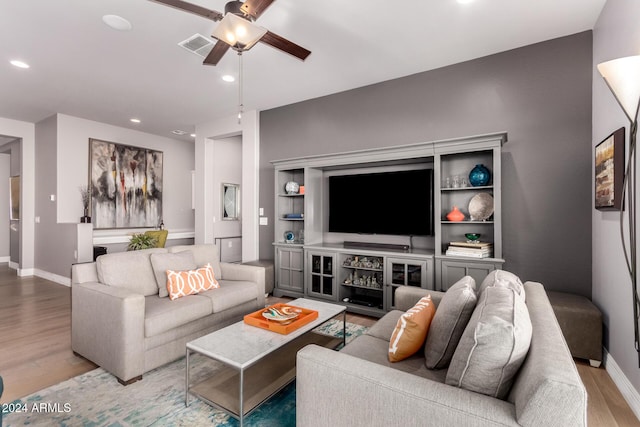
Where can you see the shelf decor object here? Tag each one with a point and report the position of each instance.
(609, 172)
(481, 207)
(292, 187)
(289, 237)
(472, 237)
(479, 176)
(621, 75)
(455, 215)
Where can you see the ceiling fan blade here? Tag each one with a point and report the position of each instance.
(255, 8)
(192, 8)
(216, 54)
(285, 45)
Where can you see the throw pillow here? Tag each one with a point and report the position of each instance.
(503, 279)
(183, 283)
(452, 316)
(181, 261)
(494, 344)
(411, 330)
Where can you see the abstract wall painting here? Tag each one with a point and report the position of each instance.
(609, 171)
(126, 185)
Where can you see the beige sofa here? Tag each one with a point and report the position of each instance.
(121, 323)
(358, 386)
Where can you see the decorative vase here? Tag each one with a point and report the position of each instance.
(455, 215)
(86, 218)
(479, 176)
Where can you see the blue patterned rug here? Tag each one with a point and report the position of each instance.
(97, 399)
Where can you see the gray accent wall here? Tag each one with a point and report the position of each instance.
(5, 163)
(616, 35)
(539, 94)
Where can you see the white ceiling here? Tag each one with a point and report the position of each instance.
(83, 68)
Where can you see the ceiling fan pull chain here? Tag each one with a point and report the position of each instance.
(240, 82)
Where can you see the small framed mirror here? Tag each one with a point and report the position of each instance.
(230, 202)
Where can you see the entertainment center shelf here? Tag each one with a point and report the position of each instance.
(312, 261)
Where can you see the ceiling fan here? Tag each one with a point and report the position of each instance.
(236, 29)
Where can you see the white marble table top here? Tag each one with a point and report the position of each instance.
(241, 345)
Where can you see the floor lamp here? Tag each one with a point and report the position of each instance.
(623, 78)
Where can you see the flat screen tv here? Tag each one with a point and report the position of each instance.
(395, 203)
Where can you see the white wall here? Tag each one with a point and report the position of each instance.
(26, 132)
(205, 213)
(616, 35)
(73, 150)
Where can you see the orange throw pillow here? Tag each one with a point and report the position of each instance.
(183, 283)
(411, 330)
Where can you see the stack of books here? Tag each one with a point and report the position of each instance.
(470, 249)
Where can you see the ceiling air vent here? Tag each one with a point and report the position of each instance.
(198, 44)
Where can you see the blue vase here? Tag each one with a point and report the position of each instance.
(479, 176)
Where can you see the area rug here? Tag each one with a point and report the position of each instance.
(97, 399)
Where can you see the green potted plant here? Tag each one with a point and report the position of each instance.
(140, 241)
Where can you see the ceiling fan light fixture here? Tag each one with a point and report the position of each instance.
(238, 33)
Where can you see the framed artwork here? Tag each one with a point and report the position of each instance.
(230, 202)
(125, 185)
(609, 171)
(14, 198)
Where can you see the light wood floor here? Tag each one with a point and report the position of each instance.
(35, 348)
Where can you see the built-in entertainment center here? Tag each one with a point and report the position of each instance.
(351, 227)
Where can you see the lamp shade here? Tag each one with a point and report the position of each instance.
(237, 32)
(623, 78)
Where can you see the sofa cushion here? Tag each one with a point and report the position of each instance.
(181, 261)
(230, 294)
(503, 279)
(494, 344)
(452, 316)
(385, 326)
(203, 254)
(130, 270)
(162, 314)
(183, 283)
(411, 330)
(375, 350)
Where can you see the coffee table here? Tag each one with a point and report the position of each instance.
(258, 363)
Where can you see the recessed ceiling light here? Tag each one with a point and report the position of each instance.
(193, 135)
(117, 22)
(19, 64)
(135, 120)
(178, 132)
(228, 78)
(465, 1)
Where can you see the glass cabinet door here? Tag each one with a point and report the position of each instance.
(321, 281)
(403, 272)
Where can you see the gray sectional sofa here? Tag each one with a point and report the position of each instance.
(358, 386)
(123, 320)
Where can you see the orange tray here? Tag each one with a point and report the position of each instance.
(256, 319)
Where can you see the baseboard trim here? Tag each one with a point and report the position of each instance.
(13, 265)
(53, 277)
(621, 381)
(25, 272)
(4, 259)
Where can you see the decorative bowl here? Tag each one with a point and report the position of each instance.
(472, 237)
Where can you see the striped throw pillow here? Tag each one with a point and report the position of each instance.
(183, 283)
